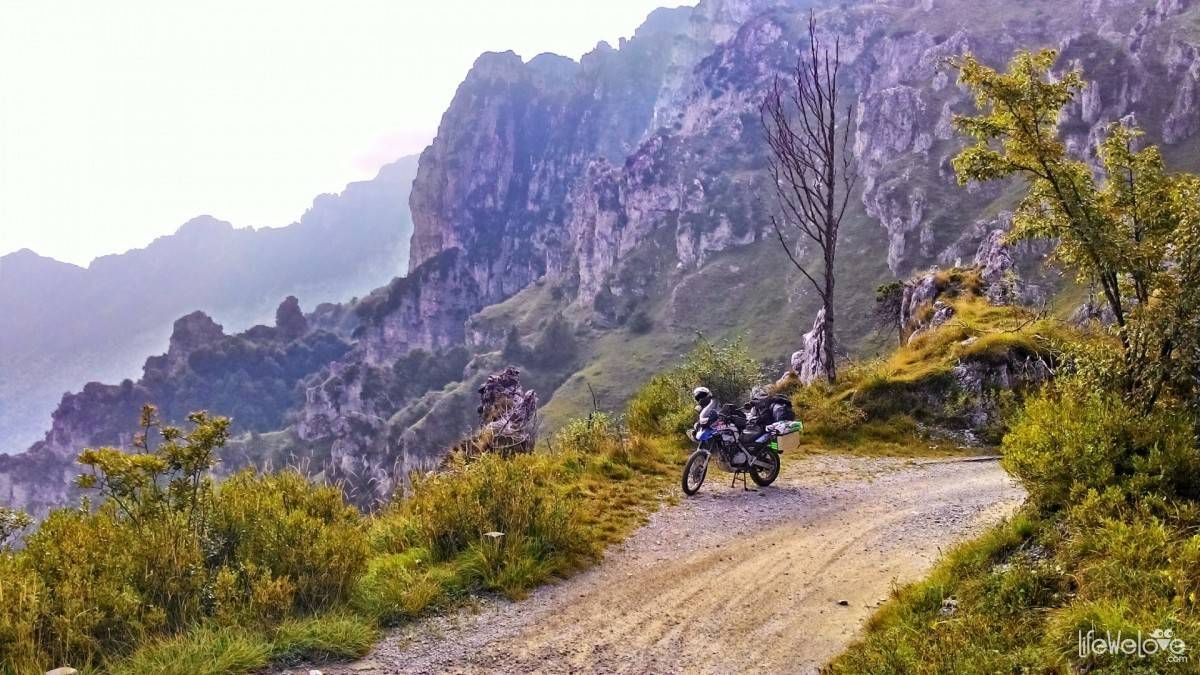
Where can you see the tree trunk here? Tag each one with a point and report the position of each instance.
(830, 358)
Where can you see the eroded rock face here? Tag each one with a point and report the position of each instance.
(979, 379)
(681, 180)
(202, 368)
(917, 294)
(507, 414)
(532, 165)
(808, 363)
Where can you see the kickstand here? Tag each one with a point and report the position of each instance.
(735, 478)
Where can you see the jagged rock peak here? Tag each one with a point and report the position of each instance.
(504, 66)
(289, 320)
(189, 333)
(508, 414)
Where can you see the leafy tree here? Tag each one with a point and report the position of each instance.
(888, 299)
(557, 345)
(665, 406)
(640, 322)
(513, 348)
(1131, 228)
(12, 522)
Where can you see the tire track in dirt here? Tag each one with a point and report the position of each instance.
(727, 581)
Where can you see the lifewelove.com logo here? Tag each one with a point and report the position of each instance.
(1160, 641)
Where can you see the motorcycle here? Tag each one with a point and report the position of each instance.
(722, 436)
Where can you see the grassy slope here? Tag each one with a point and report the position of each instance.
(603, 492)
(750, 291)
(1017, 599)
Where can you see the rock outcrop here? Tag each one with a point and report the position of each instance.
(808, 362)
(507, 415)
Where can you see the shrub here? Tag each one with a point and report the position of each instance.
(664, 405)
(590, 435)
(639, 322)
(168, 552)
(557, 345)
(1075, 438)
(12, 522)
(289, 529)
(23, 599)
(397, 585)
(453, 510)
(93, 598)
(172, 573)
(451, 514)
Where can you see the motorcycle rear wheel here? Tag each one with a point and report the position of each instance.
(694, 472)
(764, 476)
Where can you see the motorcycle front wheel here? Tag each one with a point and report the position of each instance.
(765, 475)
(694, 472)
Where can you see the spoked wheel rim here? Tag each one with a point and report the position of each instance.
(694, 473)
(764, 476)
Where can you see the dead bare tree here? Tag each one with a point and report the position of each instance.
(811, 166)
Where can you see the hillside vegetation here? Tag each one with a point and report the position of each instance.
(1100, 570)
(173, 573)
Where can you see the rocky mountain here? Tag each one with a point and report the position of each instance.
(61, 324)
(584, 219)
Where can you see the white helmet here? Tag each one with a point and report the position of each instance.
(702, 395)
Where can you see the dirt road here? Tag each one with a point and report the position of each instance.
(777, 580)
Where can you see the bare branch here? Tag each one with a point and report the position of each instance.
(812, 182)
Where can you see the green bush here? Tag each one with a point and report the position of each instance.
(557, 345)
(639, 323)
(665, 406)
(167, 552)
(95, 596)
(1106, 543)
(395, 586)
(662, 406)
(290, 529)
(591, 435)
(519, 497)
(1075, 438)
(175, 573)
(23, 599)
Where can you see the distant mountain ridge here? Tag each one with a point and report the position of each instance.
(62, 325)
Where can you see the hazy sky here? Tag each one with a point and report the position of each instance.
(121, 120)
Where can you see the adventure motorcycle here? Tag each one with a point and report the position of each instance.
(722, 435)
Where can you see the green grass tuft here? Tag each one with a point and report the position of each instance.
(317, 638)
(205, 651)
